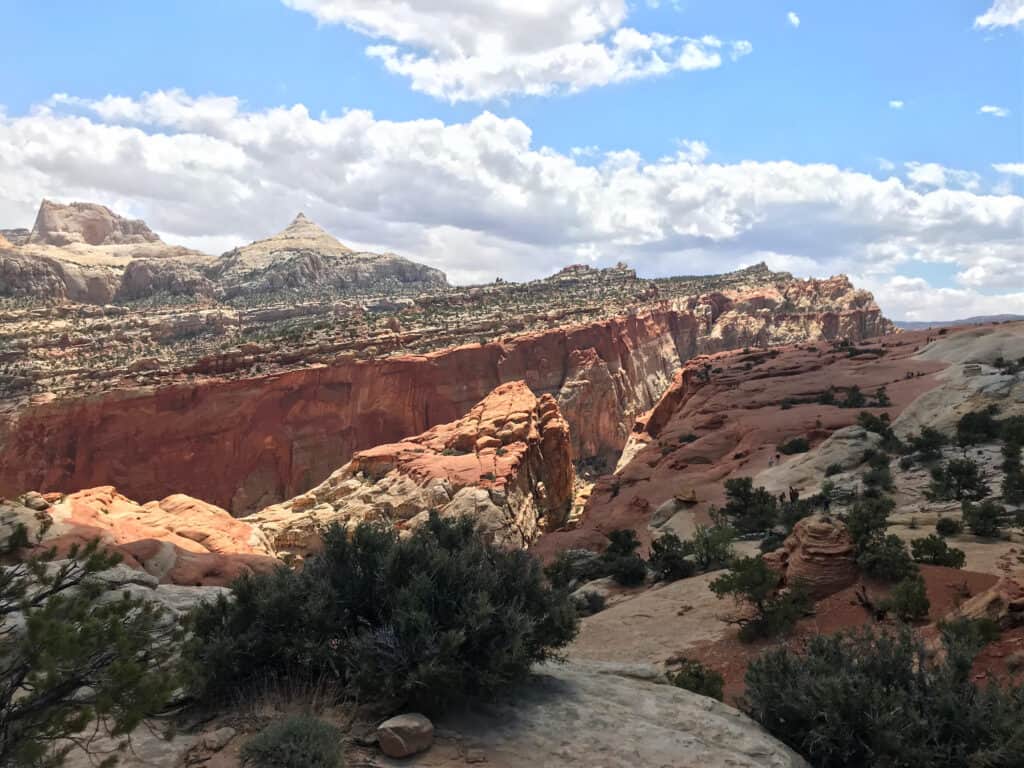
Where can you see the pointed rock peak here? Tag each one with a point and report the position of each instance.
(301, 233)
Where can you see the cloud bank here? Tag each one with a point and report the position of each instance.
(480, 199)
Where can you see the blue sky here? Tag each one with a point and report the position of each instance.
(762, 89)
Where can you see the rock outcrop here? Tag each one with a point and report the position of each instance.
(304, 257)
(1002, 603)
(819, 555)
(177, 540)
(86, 223)
(507, 463)
(725, 414)
(272, 437)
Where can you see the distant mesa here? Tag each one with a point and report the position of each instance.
(87, 223)
(920, 325)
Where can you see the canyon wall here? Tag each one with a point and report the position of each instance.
(245, 443)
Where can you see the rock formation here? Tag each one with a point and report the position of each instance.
(305, 256)
(506, 463)
(1002, 603)
(86, 223)
(725, 414)
(819, 554)
(177, 540)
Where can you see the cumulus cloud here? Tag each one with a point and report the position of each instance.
(793, 19)
(478, 50)
(1011, 169)
(922, 301)
(895, 104)
(995, 111)
(1003, 13)
(480, 198)
(938, 176)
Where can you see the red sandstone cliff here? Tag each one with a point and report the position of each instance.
(247, 443)
(507, 463)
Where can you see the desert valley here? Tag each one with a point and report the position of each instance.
(684, 496)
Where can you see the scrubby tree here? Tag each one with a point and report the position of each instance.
(928, 444)
(694, 676)
(749, 509)
(423, 620)
(877, 699)
(985, 519)
(78, 660)
(712, 546)
(977, 427)
(933, 550)
(960, 479)
(751, 583)
(671, 558)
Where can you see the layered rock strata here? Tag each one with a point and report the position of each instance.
(507, 463)
(819, 555)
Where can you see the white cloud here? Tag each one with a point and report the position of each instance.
(895, 104)
(886, 165)
(1003, 13)
(477, 50)
(989, 109)
(793, 19)
(922, 301)
(481, 199)
(938, 176)
(1011, 169)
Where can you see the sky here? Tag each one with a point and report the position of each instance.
(881, 139)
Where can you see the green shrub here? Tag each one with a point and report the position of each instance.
(833, 469)
(984, 519)
(970, 633)
(947, 526)
(622, 541)
(572, 566)
(873, 699)
(590, 603)
(977, 427)
(423, 620)
(712, 546)
(906, 463)
(909, 599)
(752, 583)
(928, 444)
(627, 570)
(670, 558)
(296, 742)
(795, 445)
(868, 519)
(854, 398)
(694, 676)
(880, 426)
(959, 479)
(749, 509)
(887, 559)
(933, 550)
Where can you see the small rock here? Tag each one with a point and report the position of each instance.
(34, 500)
(475, 756)
(405, 735)
(216, 740)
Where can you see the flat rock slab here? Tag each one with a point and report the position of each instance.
(594, 715)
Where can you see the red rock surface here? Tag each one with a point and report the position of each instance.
(737, 417)
(271, 437)
(507, 462)
(180, 540)
(819, 554)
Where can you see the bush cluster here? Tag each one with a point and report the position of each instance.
(295, 742)
(750, 582)
(694, 676)
(866, 699)
(933, 550)
(423, 620)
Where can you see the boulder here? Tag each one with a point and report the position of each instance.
(405, 735)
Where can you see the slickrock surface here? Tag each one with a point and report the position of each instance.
(177, 540)
(819, 554)
(585, 714)
(724, 416)
(507, 463)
